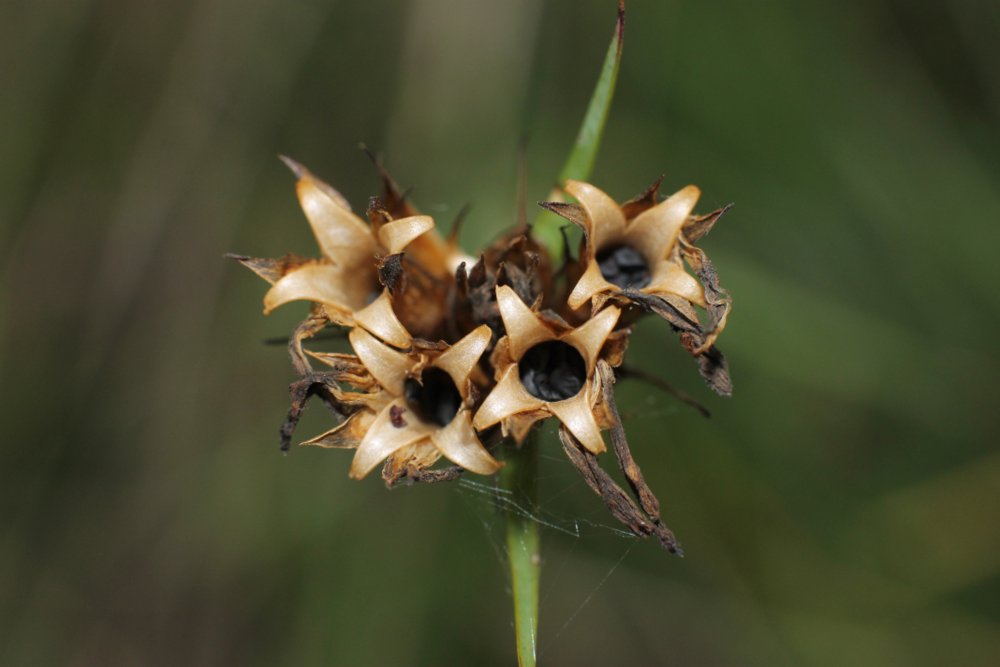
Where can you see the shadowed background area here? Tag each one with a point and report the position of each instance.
(841, 509)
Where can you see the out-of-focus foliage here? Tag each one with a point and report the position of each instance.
(840, 509)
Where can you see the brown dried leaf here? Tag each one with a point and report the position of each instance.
(318, 384)
(650, 505)
(307, 328)
(712, 365)
(622, 507)
(718, 300)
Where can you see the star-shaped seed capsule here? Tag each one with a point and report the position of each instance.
(635, 254)
(640, 254)
(419, 408)
(546, 368)
(345, 281)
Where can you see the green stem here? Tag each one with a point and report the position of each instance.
(581, 158)
(519, 479)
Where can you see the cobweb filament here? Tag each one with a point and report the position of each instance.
(500, 500)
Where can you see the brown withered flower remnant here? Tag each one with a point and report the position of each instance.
(450, 356)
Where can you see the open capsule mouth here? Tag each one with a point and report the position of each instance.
(553, 371)
(435, 398)
(624, 266)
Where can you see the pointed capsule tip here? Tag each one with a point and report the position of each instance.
(296, 168)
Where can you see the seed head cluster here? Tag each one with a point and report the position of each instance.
(452, 353)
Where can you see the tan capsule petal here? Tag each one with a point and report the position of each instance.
(577, 416)
(507, 398)
(607, 222)
(271, 270)
(591, 282)
(460, 444)
(379, 318)
(654, 232)
(347, 435)
(519, 426)
(394, 428)
(342, 236)
(396, 235)
(671, 278)
(590, 337)
(523, 327)
(460, 359)
(386, 365)
(312, 282)
(301, 172)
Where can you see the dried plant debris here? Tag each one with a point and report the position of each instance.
(452, 353)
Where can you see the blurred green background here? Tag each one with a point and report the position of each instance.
(842, 509)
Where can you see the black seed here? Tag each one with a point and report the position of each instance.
(624, 266)
(436, 399)
(553, 371)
